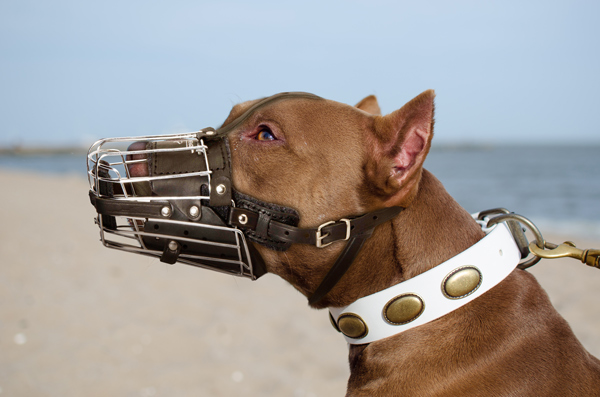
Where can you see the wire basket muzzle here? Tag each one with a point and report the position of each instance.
(169, 196)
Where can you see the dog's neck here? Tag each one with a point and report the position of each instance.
(427, 233)
(432, 230)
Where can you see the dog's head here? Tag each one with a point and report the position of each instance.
(328, 161)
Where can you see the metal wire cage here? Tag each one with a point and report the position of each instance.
(120, 178)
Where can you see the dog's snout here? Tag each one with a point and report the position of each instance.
(137, 163)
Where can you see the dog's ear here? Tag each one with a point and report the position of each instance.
(370, 105)
(400, 143)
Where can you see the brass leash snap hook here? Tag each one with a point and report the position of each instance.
(590, 257)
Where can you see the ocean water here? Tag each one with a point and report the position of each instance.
(557, 187)
(70, 164)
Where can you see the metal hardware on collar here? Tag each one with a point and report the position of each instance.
(352, 326)
(461, 282)
(320, 236)
(495, 257)
(403, 309)
(509, 217)
(540, 248)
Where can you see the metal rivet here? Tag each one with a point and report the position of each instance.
(461, 282)
(194, 211)
(403, 309)
(173, 245)
(243, 219)
(221, 189)
(352, 326)
(165, 211)
(333, 322)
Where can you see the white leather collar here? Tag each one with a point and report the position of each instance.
(494, 257)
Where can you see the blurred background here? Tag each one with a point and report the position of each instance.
(516, 86)
(504, 72)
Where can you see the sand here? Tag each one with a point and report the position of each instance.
(78, 319)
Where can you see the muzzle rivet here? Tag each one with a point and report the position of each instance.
(194, 211)
(243, 219)
(221, 189)
(165, 211)
(173, 245)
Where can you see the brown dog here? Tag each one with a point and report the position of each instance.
(328, 161)
(331, 161)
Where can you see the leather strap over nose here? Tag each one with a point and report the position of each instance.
(176, 160)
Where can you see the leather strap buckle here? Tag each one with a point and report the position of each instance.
(320, 236)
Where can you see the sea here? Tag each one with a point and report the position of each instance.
(556, 187)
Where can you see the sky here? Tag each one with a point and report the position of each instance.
(514, 72)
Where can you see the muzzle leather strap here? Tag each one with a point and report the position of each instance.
(340, 267)
(261, 225)
(330, 232)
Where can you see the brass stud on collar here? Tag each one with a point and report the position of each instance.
(403, 309)
(461, 282)
(352, 326)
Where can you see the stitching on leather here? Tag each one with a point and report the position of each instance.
(251, 206)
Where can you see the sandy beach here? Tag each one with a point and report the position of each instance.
(78, 319)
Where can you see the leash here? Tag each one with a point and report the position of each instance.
(454, 283)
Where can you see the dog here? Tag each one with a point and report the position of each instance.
(330, 161)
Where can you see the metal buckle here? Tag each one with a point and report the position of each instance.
(320, 236)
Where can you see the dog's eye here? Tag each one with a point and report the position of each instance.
(265, 134)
